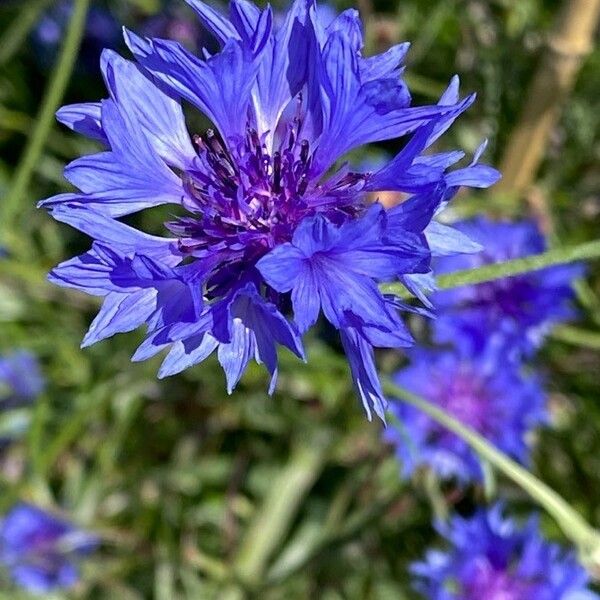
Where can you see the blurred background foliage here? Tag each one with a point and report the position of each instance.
(295, 494)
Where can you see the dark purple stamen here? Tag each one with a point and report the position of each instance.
(244, 200)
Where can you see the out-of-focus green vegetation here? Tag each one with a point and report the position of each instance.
(295, 495)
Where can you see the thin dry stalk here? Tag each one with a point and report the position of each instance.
(569, 43)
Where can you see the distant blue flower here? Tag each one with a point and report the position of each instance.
(267, 217)
(21, 380)
(172, 22)
(40, 550)
(492, 557)
(101, 31)
(483, 390)
(522, 308)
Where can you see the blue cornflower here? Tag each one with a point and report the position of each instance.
(522, 308)
(492, 557)
(172, 22)
(40, 550)
(483, 390)
(101, 31)
(266, 217)
(21, 380)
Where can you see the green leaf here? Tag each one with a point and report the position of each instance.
(517, 266)
(9, 208)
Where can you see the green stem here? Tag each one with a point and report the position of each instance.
(9, 207)
(570, 521)
(275, 516)
(577, 336)
(517, 266)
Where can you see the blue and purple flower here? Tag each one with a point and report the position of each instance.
(101, 31)
(521, 309)
(41, 550)
(21, 380)
(493, 557)
(267, 217)
(483, 390)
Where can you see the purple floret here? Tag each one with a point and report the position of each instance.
(484, 390)
(21, 380)
(263, 206)
(492, 557)
(521, 309)
(40, 550)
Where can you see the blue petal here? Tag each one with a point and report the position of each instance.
(268, 326)
(184, 355)
(371, 248)
(397, 175)
(478, 176)
(334, 268)
(235, 356)
(413, 214)
(218, 25)
(136, 291)
(185, 339)
(445, 241)
(125, 239)
(87, 273)
(120, 313)
(316, 234)
(305, 301)
(219, 87)
(39, 579)
(282, 69)
(364, 374)
(420, 284)
(383, 66)
(244, 17)
(84, 119)
(157, 114)
(253, 327)
(130, 177)
(357, 112)
(451, 98)
(281, 267)
(348, 22)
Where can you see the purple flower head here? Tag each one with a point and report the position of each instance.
(172, 22)
(266, 215)
(101, 31)
(21, 380)
(40, 550)
(492, 557)
(483, 390)
(520, 309)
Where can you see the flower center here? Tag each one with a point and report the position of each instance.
(466, 398)
(493, 584)
(512, 295)
(242, 201)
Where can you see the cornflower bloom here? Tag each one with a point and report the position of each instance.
(173, 22)
(483, 390)
(521, 309)
(40, 550)
(493, 557)
(101, 31)
(269, 222)
(21, 380)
